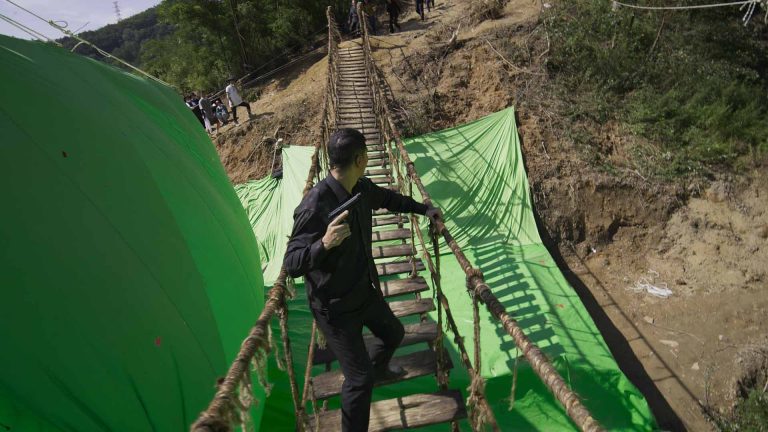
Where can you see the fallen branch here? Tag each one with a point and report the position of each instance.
(509, 62)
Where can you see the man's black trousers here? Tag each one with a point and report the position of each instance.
(242, 104)
(344, 335)
(394, 13)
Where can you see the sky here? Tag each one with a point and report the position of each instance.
(92, 14)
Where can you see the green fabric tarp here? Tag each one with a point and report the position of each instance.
(475, 173)
(129, 272)
(270, 203)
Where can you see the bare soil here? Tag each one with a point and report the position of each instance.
(288, 107)
(613, 231)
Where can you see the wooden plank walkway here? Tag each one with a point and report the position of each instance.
(355, 110)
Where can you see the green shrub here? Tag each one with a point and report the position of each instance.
(694, 86)
(750, 415)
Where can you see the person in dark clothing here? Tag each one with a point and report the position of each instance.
(420, 8)
(193, 104)
(430, 5)
(370, 12)
(335, 258)
(394, 9)
(353, 20)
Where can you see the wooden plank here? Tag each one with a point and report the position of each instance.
(381, 180)
(356, 115)
(396, 287)
(416, 364)
(405, 308)
(414, 333)
(377, 157)
(348, 108)
(369, 125)
(397, 267)
(401, 250)
(395, 234)
(377, 171)
(359, 128)
(354, 102)
(407, 412)
(388, 220)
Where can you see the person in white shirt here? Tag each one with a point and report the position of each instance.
(236, 101)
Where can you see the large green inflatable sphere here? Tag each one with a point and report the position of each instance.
(129, 274)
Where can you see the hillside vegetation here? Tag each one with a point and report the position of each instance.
(124, 39)
(198, 44)
(693, 84)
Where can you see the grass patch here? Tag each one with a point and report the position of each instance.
(691, 84)
(750, 415)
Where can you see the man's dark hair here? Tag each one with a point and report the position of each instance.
(344, 146)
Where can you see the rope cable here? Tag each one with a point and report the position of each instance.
(28, 30)
(69, 33)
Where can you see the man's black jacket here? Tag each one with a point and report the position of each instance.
(339, 278)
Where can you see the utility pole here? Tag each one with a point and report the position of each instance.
(117, 11)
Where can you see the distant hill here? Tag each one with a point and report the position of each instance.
(123, 39)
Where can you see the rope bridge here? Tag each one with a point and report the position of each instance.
(355, 97)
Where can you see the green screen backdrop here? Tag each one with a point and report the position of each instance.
(129, 272)
(475, 173)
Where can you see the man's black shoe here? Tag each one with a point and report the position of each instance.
(390, 373)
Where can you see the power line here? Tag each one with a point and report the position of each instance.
(27, 11)
(28, 30)
(19, 26)
(83, 41)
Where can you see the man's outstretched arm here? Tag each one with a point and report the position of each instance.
(390, 200)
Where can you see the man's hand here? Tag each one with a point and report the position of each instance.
(434, 213)
(337, 231)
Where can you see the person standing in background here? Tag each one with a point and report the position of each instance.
(370, 13)
(236, 101)
(394, 9)
(420, 8)
(209, 117)
(353, 20)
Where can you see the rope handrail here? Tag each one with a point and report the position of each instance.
(329, 121)
(226, 408)
(480, 411)
(475, 280)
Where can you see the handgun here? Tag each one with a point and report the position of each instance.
(346, 205)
